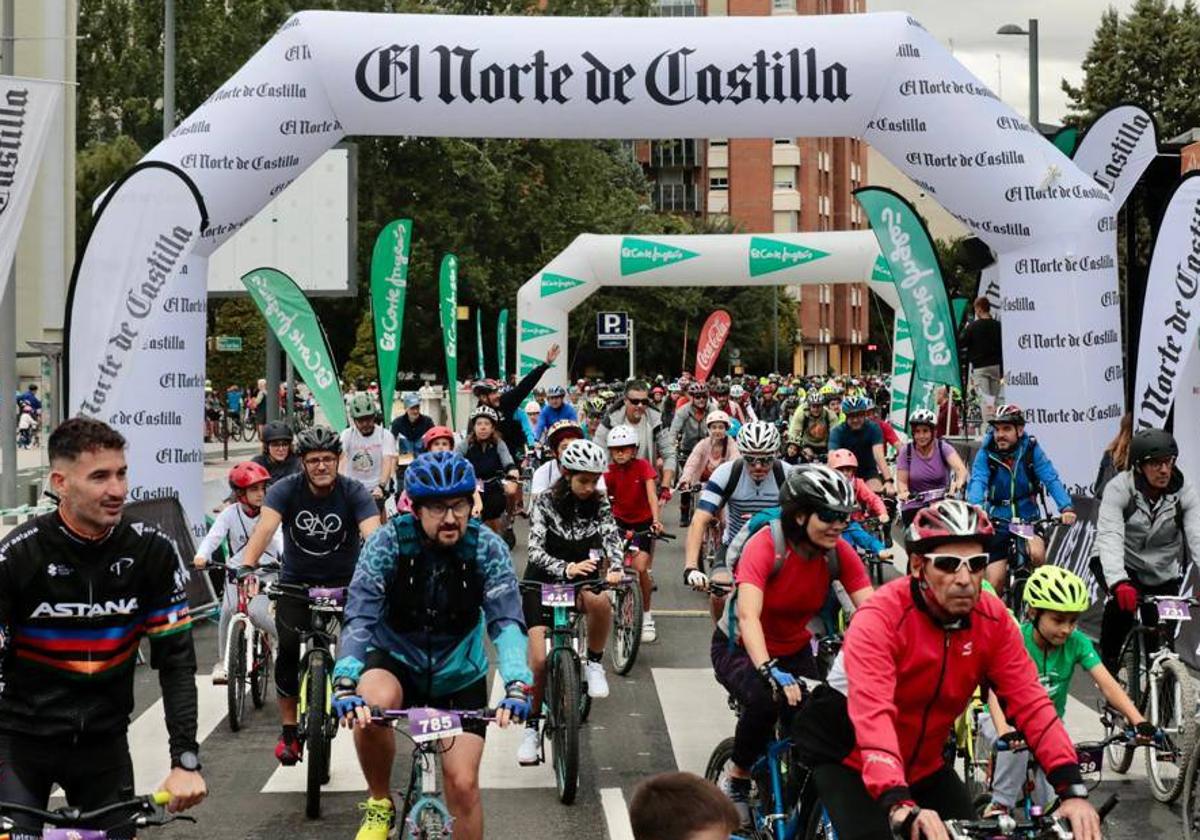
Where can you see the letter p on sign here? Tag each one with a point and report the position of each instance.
(612, 330)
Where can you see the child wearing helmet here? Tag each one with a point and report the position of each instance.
(248, 481)
(436, 439)
(631, 489)
(558, 437)
(1054, 599)
(844, 461)
(572, 537)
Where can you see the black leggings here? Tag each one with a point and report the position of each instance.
(1116, 623)
(856, 816)
(291, 619)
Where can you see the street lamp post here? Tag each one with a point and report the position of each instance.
(1032, 33)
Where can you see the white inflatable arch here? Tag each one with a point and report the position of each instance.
(880, 77)
(592, 262)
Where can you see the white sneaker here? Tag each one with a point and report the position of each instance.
(219, 676)
(597, 683)
(649, 631)
(527, 753)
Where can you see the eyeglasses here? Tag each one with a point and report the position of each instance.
(759, 460)
(1159, 463)
(951, 563)
(321, 461)
(831, 516)
(460, 508)
(636, 401)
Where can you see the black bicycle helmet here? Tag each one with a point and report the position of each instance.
(1149, 444)
(818, 487)
(318, 439)
(276, 430)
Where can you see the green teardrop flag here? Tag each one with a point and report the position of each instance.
(448, 294)
(502, 344)
(389, 287)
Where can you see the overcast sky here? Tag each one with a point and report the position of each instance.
(968, 27)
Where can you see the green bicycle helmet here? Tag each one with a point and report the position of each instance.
(1055, 588)
(361, 405)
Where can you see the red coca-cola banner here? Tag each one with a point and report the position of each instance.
(712, 339)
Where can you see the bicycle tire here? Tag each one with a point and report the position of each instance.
(1120, 758)
(315, 728)
(235, 688)
(627, 627)
(585, 699)
(566, 724)
(1191, 797)
(260, 678)
(430, 824)
(249, 431)
(1176, 714)
(819, 826)
(721, 755)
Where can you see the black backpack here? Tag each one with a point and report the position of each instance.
(735, 476)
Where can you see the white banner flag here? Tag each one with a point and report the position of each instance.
(1187, 413)
(26, 109)
(135, 332)
(1117, 149)
(1169, 320)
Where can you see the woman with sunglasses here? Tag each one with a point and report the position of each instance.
(913, 656)
(761, 644)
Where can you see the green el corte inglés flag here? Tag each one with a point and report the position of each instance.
(448, 295)
(389, 286)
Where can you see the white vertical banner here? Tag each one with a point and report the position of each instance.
(1187, 413)
(1062, 347)
(135, 331)
(1169, 318)
(27, 107)
(1117, 149)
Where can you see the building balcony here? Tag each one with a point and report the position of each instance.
(785, 154)
(674, 154)
(718, 201)
(676, 198)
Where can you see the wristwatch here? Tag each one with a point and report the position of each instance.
(188, 760)
(1075, 791)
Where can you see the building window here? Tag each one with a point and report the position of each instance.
(783, 5)
(677, 8)
(784, 141)
(785, 177)
(719, 143)
(718, 179)
(786, 221)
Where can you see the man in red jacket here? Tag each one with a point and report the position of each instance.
(912, 658)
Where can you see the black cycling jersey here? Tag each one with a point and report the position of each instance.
(72, 612)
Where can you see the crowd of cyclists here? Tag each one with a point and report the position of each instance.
(798, 499)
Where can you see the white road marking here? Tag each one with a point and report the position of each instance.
(499, 769)
(148, 734)
(697, 716)
(616, 815)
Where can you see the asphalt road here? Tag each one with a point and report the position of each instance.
(667, 714)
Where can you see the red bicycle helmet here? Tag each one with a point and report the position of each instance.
(435, 433)
(946, 521)
(246, 475)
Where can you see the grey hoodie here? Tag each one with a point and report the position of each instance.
(1147, 542)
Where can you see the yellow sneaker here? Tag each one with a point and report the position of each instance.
(378, 816)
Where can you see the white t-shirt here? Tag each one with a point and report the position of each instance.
(364, 455)
(237, 525)
(548, 473)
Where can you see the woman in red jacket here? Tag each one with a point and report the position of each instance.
(913, 656)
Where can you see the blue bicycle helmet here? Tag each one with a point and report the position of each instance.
(439, 475)
(856, 404)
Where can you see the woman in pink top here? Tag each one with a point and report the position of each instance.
(711, 452)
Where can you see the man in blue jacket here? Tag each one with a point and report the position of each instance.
(556, 408)
(1007, 477)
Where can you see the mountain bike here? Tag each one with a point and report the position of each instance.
(1041, 826)
(1020, 567)
(626, 637)
(565, 703)
(1161, 688)
(249, 650)
(69, 823)
(423, 814)
(318, 726)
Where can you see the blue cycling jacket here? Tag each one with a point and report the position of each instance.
(549, 417)
(1002, 486)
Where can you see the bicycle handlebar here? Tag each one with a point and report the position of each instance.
(147, 811)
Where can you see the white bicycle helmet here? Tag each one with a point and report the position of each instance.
(718, 416)
(736, 392)
(584, 456)
(922, 417)
(759, 438)
(622, 436)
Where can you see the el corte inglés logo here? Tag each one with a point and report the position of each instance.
(768, 255)
(638, 255)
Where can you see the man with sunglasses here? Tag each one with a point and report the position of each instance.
(1149, 519)
(430, 586)
(688, 428)
(323, 515)
(655, 443)
(913, 656)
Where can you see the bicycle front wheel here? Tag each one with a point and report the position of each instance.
(1173, 709)
(260, 675)
(427, 822)
(315, 727)
(249, 430)
(1191, 798)
(627, 627)
(565, 699)
(235, 689)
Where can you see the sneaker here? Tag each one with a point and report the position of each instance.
(531, 742)
(289, 751)
(377, 820)
(219, 676)
(597, 683)
(994, 809)
(649, 631)
(740, 800)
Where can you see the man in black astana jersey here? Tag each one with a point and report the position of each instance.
(79, 587)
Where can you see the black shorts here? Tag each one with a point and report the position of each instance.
(92, 774)
(531, 601)
(999, 545)
(641, 541)
(471, 698)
